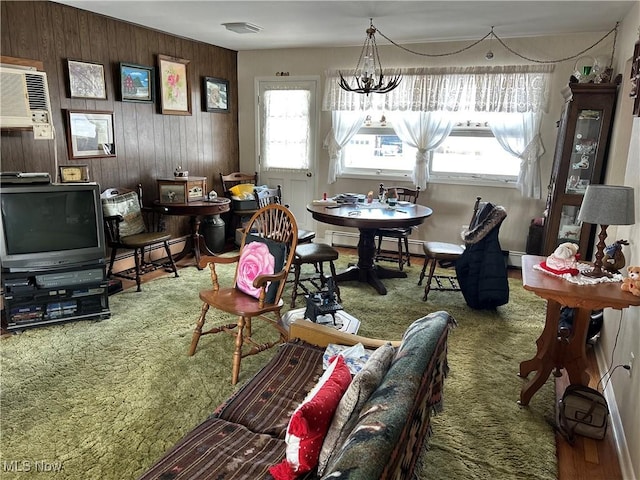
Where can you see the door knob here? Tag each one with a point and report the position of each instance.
(309, 174)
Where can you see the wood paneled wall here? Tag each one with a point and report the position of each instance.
(149, 145)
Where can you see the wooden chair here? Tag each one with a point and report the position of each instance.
(269, 196)
(306, 251)
(129, 225)
(275, 227)
(400, 234)
(316, 254)
(440, 252)
(231, 180)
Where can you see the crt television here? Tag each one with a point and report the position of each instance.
(50, 226)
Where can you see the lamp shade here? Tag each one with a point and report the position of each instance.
(608, 205)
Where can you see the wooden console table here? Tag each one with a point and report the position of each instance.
(555, 351)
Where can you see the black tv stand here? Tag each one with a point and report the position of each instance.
(61, 295)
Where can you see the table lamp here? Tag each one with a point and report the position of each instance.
(606, 205)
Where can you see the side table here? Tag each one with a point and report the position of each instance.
(195, 243)
(553, 350)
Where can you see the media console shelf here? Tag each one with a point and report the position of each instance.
(34, 300)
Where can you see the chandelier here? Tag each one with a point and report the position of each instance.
(368, 75)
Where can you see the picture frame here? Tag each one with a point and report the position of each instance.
(215, 95)
(172, 193)
(175, 89)
(137, 83)
(86, 80)
(90, 134)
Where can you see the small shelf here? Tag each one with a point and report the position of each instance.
(28, 304)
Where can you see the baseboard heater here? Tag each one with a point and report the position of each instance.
(340, 238)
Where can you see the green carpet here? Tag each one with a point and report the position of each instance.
(104, 400)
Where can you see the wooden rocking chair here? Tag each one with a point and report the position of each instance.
(271, 231)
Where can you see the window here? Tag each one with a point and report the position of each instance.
(470, 153)
(377, 150)
(286, 125)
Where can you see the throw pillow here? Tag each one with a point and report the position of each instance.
(260, 256)
(128, 206)
(310, 421)
(360, 389)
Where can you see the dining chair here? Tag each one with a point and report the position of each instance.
(307, 252)
(268, 196)
(441, 252)
(401, 235)
(129, 225)
(262, 265)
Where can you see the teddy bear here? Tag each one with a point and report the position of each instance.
(632, 282)
(563, 259)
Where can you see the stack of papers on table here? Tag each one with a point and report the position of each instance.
(329, 202)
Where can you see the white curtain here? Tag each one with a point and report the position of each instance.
(424, 131)
(519, 134)
(512, 88)
(287, 129)
(344, 126)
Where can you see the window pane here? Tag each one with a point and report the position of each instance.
(379, 152)
(287, 129)
(473, 155)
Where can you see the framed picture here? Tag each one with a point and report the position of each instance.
(175, 91)
(86, 80)
(172, 193)
(215, 97)
(90, 134)
(136, 83)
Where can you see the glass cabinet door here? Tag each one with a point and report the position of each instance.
(584, 151)
(570, 227)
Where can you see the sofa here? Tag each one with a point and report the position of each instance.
(382, 438)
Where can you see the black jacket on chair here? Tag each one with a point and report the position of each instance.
(481, 269)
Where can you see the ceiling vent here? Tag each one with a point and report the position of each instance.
(242, 27)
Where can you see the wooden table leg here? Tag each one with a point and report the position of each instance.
(554, 351)
(194, 244)
(574, 355)
(542, 363)
(366, 271)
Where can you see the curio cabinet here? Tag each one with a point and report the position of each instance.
(579, 160)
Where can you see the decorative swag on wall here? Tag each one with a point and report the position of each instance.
(420, 109)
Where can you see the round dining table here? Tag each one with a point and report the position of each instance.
(195, 244)
(368, 218)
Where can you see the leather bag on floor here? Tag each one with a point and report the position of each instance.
(583, 411)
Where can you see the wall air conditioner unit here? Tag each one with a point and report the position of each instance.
(24, 101)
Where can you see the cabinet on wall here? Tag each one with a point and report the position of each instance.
(579, 160)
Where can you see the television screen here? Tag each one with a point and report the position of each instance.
(50, 226)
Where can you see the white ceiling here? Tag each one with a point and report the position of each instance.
(292, 24)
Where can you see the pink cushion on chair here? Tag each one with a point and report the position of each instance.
(259, 256)
(310, 422)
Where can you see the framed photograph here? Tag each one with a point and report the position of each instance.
(215, 95)
(175, 91)
(90, 134)
(86, 80)
(136, 83)
(172, 193)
